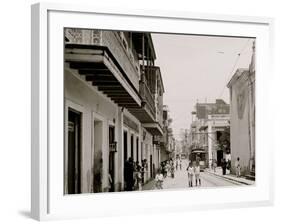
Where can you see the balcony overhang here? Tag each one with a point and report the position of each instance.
(143, 113)
(98, 66)
(154, 128)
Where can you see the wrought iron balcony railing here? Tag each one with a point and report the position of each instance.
(147, 97)
(124, 55)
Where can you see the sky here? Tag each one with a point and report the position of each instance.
(197, 69)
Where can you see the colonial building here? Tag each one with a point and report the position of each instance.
(166, 141)
(242, 105)
(113, 107)
(210, 121)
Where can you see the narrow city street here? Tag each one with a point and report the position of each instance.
(180, 180)
(135, 112)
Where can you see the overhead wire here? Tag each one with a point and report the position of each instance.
(234, 65)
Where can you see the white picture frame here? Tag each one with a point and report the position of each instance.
(48, 21)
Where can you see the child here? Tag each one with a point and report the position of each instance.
(159, 179)
(237, 167)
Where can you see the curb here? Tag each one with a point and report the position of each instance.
(225, 177)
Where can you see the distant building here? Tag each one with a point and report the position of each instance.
(242, 105)
(210, 120)
(185, 142)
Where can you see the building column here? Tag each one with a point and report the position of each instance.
(119, 165)
(210, 144)
(251, 124)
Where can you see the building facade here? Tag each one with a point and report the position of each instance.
(113, 107)
(242, 105)
(210, 121)
(166, 141)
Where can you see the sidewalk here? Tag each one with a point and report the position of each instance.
(150, 185)
(228, 176)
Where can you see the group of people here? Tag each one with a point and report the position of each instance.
(168, 168)
(226, 165)
(134, 174)
(193, 173)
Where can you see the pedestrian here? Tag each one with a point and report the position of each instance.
(159, 179)
(180, 164)
(190, 174)
(172, 170)
(215, 165)
(167, 168)
(228, 165)
(197, 174)
(238, 167)
(223, 166)
(139, 178)
(142, 170)
(110, 183)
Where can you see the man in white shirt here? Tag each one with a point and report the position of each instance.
(197, 174)
(190, 173)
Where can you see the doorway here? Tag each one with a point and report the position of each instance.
(74, 152)
(219, 157)
(125, 146)
(111, 167)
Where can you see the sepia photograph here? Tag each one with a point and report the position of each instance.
(157, 111)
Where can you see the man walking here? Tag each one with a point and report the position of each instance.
(223, 166)
(190, 173)
(180, 164)
(197, 174)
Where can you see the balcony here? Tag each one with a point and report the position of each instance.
(151, 92)
(163, 143)
(156, 139)
(106, 61)
(109, 60)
